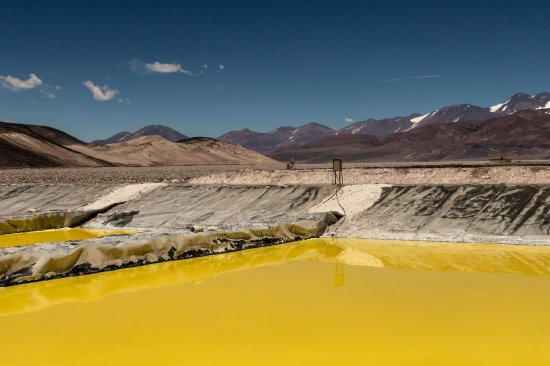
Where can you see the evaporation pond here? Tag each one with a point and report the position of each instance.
(316, 302)
(57, 235)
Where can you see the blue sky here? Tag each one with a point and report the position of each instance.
(284, 62)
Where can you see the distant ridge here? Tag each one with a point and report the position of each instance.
(282, 137)
(278, 138)
(164, 131)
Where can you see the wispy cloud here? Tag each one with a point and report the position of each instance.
(415, 77)
(221, 67)
(47, 94)
(204, 68)
(157, 67)
(16, 84)
(348, 120)
(100, 93)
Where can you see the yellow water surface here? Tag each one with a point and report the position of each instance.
(316, 302)
(56, 235)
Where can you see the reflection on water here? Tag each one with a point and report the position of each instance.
(313, 302)
(57, 235)
(490, 258)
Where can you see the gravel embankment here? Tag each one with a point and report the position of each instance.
(115, 175)
(427, 173)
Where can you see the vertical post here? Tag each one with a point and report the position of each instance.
(337, 170)
(290, 165)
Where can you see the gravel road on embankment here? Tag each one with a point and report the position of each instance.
(402, 173)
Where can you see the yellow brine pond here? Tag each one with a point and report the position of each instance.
(316, 302)
(57, 235)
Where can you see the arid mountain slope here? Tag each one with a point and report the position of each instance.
(525, 134)
(157, 151)
(40, 146)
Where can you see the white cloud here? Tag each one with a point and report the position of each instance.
(221, 67)
(204, 68)
(124, 100)
(100, 93)
(15, 84)
(348, 120)
(57, 87)
(166, 68)
(156, 67)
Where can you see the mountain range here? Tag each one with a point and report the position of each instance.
(524, 134)
(23, 145)
(275, 140)
(518, 127)
(285, 136)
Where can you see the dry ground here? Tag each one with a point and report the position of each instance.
(418, 173)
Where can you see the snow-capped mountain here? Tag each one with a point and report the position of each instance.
(380, 127)
(453, 113)
(521, 101)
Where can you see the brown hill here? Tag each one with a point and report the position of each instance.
(156, 151)
(525, 134)
(40, 146)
